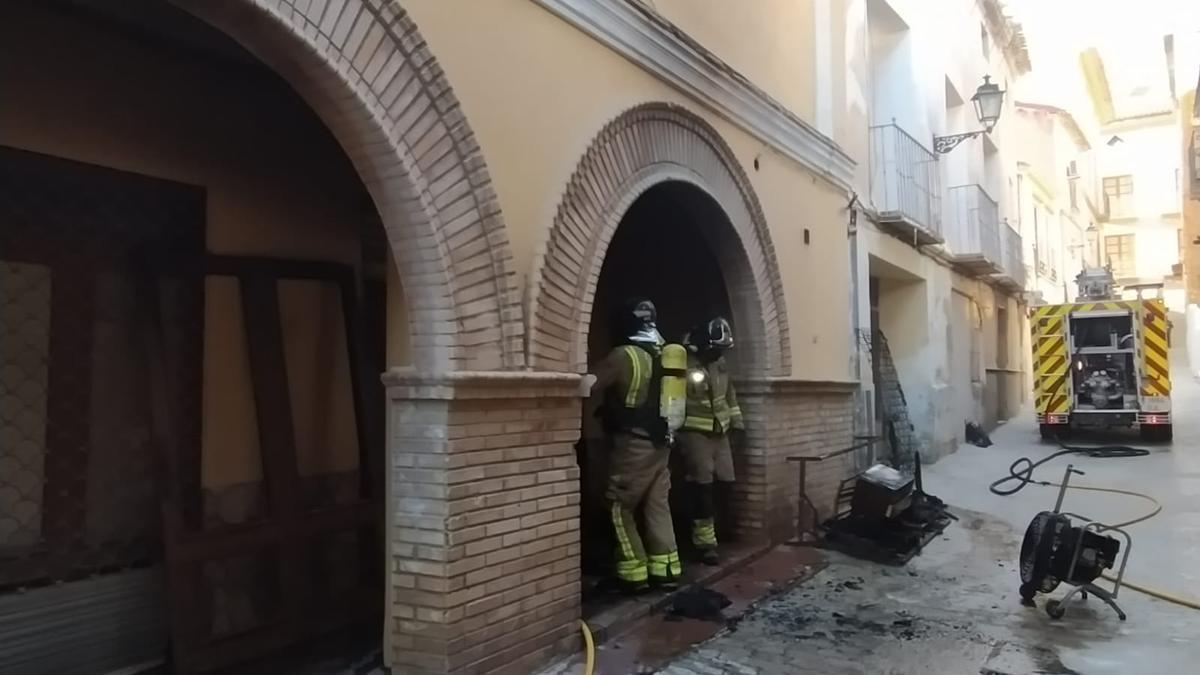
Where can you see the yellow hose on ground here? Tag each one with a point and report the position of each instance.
(1155, 593)
(1129, 493)
(590, 646)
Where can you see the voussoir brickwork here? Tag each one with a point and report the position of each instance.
(364, 68)
(645, 146)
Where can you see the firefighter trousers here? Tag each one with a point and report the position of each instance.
(705, 456)
(639, 478)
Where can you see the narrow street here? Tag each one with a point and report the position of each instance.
(955, 609)
(418, 337)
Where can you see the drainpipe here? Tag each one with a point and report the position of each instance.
(860, 423)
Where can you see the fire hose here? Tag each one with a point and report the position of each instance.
(1021, 473)
(589, 648)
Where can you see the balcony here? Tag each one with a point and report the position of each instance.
(974, 236)
(1012, 272)
(906, 185)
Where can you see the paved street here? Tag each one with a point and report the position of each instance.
(955, 609)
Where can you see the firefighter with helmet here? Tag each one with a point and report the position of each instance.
(712, 416)
(630, 380)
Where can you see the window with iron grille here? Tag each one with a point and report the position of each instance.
(1119, 252)
(1118, 195)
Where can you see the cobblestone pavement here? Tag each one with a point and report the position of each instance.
(954, 610)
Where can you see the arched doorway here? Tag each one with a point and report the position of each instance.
(214, 235)
(664, 249)
(659, 206)
(642, 147)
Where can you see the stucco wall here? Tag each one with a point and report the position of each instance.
(535, 127)
(943, 331)
(772, 44)
(276, 183)
(1149, 154)
(1191, 200)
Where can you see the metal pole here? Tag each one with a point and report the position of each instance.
(1062, 490)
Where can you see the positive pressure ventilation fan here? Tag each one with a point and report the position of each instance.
(1055, 551)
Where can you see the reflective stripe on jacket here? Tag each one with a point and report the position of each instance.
(637, 383)
(712, 406)
(624, 379)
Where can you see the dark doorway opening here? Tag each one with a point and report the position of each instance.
(665, 248)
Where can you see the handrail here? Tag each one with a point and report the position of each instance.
(804, 459)
(900, 130)
(805, 500)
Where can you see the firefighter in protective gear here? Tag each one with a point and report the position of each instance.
(712, 417)
(629, 379)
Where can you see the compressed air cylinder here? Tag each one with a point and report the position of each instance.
(673, 402)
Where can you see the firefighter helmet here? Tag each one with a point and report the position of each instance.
(714, 334)
(638, 322)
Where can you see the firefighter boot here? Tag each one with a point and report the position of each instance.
(704, 532)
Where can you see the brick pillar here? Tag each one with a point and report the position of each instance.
(483, 521)
(786, 418)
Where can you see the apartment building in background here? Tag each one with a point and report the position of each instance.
(1056, 199)
(1138, 91)
(940, 260)
(1188, 119)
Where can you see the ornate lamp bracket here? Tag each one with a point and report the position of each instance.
(944, 144)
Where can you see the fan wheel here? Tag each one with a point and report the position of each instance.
(1055, 609)
(1037, 553)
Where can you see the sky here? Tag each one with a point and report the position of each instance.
(1127, 33)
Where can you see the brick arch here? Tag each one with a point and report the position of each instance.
(646, 146)
(365, 70)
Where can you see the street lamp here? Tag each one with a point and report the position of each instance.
(989, 103)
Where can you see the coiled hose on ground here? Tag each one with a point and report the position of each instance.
(1021, 471)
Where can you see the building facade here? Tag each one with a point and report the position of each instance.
(939, 259)
(1187, 60)
(1137, 91)
(220, 223)
(1189, 123)
(1057, 202)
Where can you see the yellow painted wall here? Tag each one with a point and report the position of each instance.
(534, 128)
(1191, 200)
(276, 182)
(768, 41)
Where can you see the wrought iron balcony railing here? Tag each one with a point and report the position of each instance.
(906, 184)
(973, 236)
(1013, 271)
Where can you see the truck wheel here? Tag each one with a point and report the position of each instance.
(1053, 432)
(1158, 432)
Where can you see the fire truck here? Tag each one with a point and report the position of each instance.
(1102, 362)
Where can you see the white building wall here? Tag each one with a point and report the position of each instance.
(1150, 155)
(925, 60)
